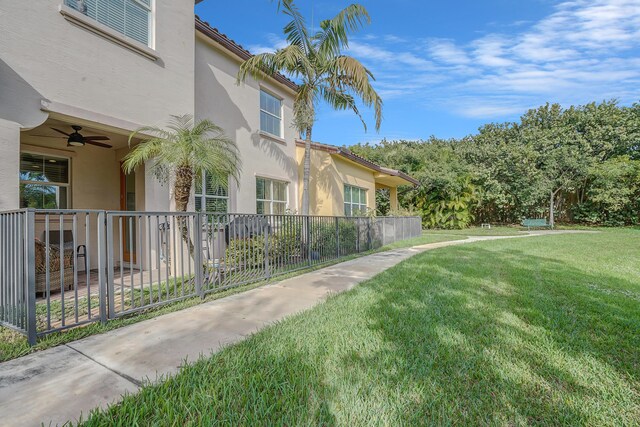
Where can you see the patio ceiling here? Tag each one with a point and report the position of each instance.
(45, 136)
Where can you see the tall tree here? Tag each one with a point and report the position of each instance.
(183, 151)
(323, 72)
(564, 156)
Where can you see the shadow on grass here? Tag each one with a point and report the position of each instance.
(509, 339)
(509, 335)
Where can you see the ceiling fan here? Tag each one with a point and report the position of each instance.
(75, 139)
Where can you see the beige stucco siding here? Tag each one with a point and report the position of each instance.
(9, 164)
(92, 81)
(236, 108)
(329, 174)
(54, 59)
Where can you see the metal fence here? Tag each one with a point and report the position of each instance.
(62, 269)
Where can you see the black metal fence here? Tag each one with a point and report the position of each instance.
(65, 268)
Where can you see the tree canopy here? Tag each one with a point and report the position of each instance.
(581, 163)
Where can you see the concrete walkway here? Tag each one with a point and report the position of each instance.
(59, 384)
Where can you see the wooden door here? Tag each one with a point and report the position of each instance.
(128, 203)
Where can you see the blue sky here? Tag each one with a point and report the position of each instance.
(444, 68)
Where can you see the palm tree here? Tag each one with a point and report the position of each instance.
(324, 73)
(185, 150)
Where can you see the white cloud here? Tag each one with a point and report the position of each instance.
(446, 51)
(274, 43)
(388, 58)
(584, 50)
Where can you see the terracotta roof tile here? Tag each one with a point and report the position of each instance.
(346, 153)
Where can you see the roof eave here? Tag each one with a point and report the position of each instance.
(343, 152)
(237, 50)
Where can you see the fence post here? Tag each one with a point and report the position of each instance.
(102, 265)
(369, 239)
(267, 269)
(308, 234)
(111, 313)
(197, 255)
(30, 282)
(337, 237)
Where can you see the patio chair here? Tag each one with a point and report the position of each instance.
(68, 263)
(54, 268)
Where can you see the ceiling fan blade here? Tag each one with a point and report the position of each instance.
(46, 136)
(97, 138)
(59, 131)
(97, 144)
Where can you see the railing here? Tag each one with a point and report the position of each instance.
(62, 269)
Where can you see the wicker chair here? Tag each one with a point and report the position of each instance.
(54, 268)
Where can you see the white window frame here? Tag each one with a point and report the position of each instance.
(203, 196)
(360, 206)
(271, 201)
(281, 118)
(66, 185)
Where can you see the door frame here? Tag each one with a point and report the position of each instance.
(127, 257)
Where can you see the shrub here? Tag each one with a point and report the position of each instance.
(246, 253)
(284, 244)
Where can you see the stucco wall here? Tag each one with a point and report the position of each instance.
(9, 164)
(237, 110)
(329, 174)
(44, 55)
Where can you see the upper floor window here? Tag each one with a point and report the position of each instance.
(271, 196)
(270, 114)
(129, 17)
(44, 182)
(211, 196)
(355, 201)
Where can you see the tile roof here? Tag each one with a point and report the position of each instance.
(235, 48)
(346, 153)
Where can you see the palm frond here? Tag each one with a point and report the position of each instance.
(257, 66)
(348, 74)
(334, 34)
(295, 31)
(201, 147)
(340, 100)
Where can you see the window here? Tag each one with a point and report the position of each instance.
(129, 17)
(271, 196)
(44, 182)
(355, 201)
(211, 196)
(270, 114)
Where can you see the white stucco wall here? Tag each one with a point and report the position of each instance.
(44, 56)
(237, 110)
(9, 164)
(49, 57)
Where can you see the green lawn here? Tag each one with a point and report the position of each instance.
(542, 331)
(477, 231)
(14, 344)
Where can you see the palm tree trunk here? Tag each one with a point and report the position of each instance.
(306, 173)
(182, 191)
(182, 188)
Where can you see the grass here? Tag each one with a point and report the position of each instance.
(537, 331)
(477, 231)
(13, 344)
